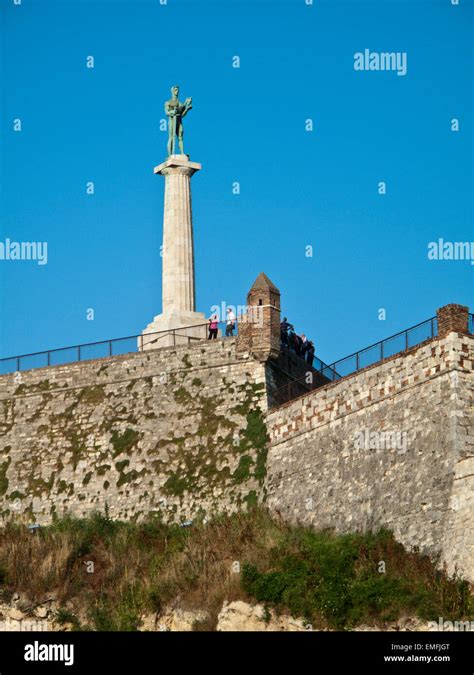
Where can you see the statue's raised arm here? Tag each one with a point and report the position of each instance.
(175, 112)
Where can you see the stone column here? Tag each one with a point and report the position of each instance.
(179, 323)
(178, 253)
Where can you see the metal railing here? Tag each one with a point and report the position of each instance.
(305, 384)
(107, 348)
(134, 343)
(400, 342)
(327, 371)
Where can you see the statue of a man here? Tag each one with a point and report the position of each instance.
(175, 112)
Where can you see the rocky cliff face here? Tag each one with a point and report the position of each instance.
(234, 616)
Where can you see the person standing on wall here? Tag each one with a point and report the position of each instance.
(304, 345)
(213, 326)
(230, 325)
(284, 328)
(310, 353)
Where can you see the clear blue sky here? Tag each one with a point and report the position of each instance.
(248, 125)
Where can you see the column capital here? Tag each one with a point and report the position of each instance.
(177, 164)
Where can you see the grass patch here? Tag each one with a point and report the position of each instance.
(328, 580)
(335, 580)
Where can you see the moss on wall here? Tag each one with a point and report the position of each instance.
(206, 466)
(199, 438)
(124, 443)
(92, 395)
(186, 361)
(43, 385)
(3, 476)
(37, 485)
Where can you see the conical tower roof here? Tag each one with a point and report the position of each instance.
(262, 282)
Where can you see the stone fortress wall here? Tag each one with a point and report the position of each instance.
(183, 431)
(391, 446)
(175, 430)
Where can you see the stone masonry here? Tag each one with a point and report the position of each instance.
(178, 431)
(391, 446)
(187, 430)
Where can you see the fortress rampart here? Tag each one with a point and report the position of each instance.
(192, 430)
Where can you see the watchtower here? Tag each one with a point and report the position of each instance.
(259, 328)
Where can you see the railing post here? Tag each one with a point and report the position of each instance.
(381, 351)
(357, 361)
(432, 328)
(18, 363)
(110, 347)
(49, 358)
(406, 340)
(79, 352)
(141, 342)
(174, 338)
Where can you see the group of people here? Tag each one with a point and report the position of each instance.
(289, 338)
(214, 325)
(298, 343)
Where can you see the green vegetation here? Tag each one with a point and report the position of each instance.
(16, 494)
(38, 485)
(43, 385)
(61, 487)
(78, 448)
(175, 485)
(63, 616)
(242, 472)
(251, 499)
(3, 476)
(342, 581)
(182, 396)
(187, 361)
(92, 395)
(255, 436)
(328, 580)
(102, 469)
(132, 475)
(204, 470)
(123, 443)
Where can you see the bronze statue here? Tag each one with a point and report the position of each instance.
(175, 112)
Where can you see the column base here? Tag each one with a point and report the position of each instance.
(173, 329)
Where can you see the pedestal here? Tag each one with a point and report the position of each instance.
(169, 330)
